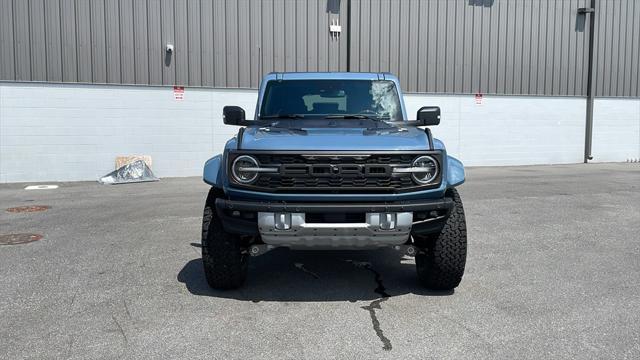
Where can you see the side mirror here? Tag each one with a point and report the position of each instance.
(233, 115)
(428, 116)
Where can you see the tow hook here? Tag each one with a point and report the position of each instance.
(408, 250)
(260, 249)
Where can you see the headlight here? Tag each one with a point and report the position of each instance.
(244, 169)
(425, 169)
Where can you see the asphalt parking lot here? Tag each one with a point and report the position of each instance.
(553, 271)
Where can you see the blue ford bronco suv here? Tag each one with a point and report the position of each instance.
(332, 161)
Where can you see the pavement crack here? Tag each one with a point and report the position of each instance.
(124, 336)
(301, 267)
(371, 308)
(73, 299)
(126, 308)
(70, 347)
(376, 304)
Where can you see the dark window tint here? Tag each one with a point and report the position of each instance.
(322, 98)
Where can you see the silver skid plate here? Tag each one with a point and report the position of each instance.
(291, 230)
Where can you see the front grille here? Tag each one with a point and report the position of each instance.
(336, 173)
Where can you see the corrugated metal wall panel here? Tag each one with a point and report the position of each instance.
(498, 46)
(422, 68)
(300, 32)
(7, 55)
(475, 45)
(156, 60)
(255, 51)
(112, 40)
(69, 40)
(84, 48)
(516, 85)
(634, 79)
(232, 34)
(194, 43)
(499, 71)
(127, 42)
(441, 46)
(219, 45)
(37, 40)
(626, 44)
(289, 35)
(383, 30)
(323, 41)
(244, 45)
(342, 44)
(451, 27)
(617, 47)
(53, 40)
(206, 41)
(277, 24)
(140, 43)
(403, 60)
(168, 36)
(181, 42)
(459, 47)
(98, 41)
(569, 66)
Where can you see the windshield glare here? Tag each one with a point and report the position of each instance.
(318, 99)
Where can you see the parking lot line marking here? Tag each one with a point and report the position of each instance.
(41, 187)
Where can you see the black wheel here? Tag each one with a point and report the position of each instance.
(225, 259)
(442, 257)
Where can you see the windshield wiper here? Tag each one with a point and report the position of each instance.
(284, 129)
(356, 116)
(282, 116)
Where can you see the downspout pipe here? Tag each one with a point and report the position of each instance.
(348, 35)
(588, 133)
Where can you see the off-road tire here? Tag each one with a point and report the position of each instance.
(442, 257)
(225, 260)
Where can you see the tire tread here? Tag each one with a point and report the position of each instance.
(225, 261)
(440, 264)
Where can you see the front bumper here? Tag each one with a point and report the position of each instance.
(241, 217)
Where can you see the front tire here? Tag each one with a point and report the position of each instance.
(442, 257)
(225, 259)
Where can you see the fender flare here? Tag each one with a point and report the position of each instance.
(455, 172)
(212, 174)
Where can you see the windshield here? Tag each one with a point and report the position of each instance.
(319, 99)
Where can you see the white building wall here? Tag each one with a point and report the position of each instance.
(508, 130)
(53, 132)
(616, 130)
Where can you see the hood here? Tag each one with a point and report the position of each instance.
(393, 138)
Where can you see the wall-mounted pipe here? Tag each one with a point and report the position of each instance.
(588, 133)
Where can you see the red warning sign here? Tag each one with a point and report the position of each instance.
(178, 93)
(478, 99)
